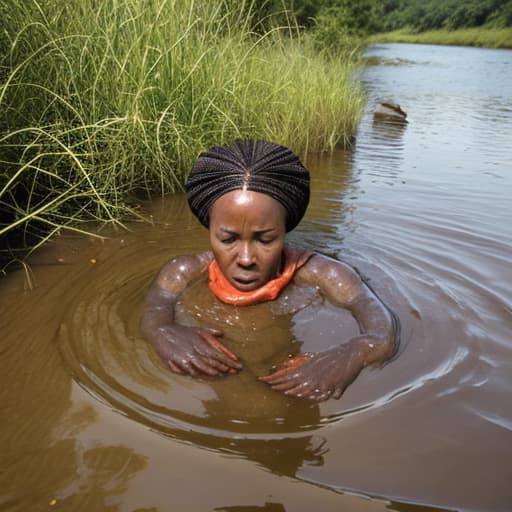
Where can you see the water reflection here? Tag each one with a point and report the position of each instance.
(267, 507)
(414, 507)
(43, 463)
(99, 478)
(390, 133)
(332, 182)
(383, 146)
(284, 456)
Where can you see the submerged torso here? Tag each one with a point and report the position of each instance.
(261, 334)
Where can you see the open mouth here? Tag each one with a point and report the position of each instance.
(245, 284)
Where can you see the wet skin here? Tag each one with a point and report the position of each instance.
(247, 232)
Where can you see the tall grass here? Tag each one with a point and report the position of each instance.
(488, 37)
(101, 102)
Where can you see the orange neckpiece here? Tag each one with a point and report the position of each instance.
(222, 288)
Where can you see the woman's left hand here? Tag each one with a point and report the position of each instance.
(319, 376)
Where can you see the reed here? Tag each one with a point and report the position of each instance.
(102, 102)
(487, 37)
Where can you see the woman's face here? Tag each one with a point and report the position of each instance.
(247, 231)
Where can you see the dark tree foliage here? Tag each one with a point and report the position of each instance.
(424, 15)
(357, 17)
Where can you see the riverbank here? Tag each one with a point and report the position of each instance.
(100, 105)
(479, 36)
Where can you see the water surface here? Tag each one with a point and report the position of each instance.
(93, 420)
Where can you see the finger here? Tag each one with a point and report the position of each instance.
(232, 369)
(337, 393)
(280, 376)
(204, 368)
(175, 368)
(186, 367)
(218, 365)
(297, 361)
(213, 331)
(319, 397)
(209, 336)
(216, 344)
(320, 394)
(221, 367)
(211, 350)
(286, 385)
(218, 359)
(301, 389)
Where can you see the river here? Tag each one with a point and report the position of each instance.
(91, 420)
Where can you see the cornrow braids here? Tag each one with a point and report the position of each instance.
(258, 166)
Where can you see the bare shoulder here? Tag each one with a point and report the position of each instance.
(320, 268)
(336, 279)
(182, 270)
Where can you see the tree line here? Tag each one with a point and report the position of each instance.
(361, 17)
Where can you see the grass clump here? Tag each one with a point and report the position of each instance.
(488, 37)
(103, 101)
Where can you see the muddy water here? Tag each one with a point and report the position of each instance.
(91, 420)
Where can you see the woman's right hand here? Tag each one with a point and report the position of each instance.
(194, 351)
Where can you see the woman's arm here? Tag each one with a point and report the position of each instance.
(187, 350)
(327, 374)
(343, 286)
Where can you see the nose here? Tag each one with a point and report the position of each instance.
(245, 255)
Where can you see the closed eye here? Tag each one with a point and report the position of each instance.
(228, 239)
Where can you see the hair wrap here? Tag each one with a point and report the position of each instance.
(258, 166)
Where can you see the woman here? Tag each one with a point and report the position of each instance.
(249, 195)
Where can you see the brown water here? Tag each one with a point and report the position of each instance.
(91, 420)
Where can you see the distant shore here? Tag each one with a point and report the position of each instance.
(478, 36)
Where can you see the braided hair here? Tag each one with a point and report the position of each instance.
(258, 166)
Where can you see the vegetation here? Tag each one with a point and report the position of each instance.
(459, 22)
(476, 36)
(372, 16)
(102, 102)
(333, 22)
(423, 15)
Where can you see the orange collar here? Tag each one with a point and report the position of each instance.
(220, 286)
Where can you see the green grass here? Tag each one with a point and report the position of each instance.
(478, 36)
(104, 102)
